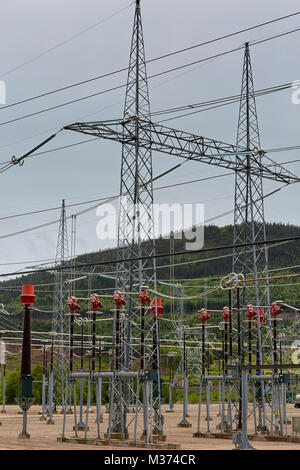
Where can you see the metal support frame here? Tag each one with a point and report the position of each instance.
(59, 321)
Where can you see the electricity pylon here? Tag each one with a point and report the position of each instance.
(249, 220)
(59, 320)
(135, 230)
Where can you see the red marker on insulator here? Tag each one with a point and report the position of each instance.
(225, 313)
(118, 299)
(275, 309)
(261, 316)
(143, 297)
(251, 312)
(95, 302)
(156, 307)
(72, 304)
(204, 316)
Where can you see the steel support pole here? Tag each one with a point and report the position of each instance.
(50, 387)
(243, 443)
(98, 406)
(43, 411)
(43, 397)
(136, 408)
(208, 405)
(199, 406)
(184, 422)
(81, 425)
(75, 408)
(3, 390)
(88, 405)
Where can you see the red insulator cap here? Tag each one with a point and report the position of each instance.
(204, 316)
(225, 313)
(156, 306)
(72, 304)
(275, 309)
(251, 312)
(118, 299)
(144, 297)
(95, 302)
(27, 297)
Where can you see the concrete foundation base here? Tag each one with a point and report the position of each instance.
(81, 428)
(184, 424)
(116, 435)
(155, 437)
(118, 443)
(251, 437)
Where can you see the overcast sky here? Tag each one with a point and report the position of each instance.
(89, 171)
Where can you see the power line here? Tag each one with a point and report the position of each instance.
(284, 149)
(219, 103)
(29, 61)
(224, 101)
(164, 56)
(53, 208)
(23, 214)
(67, 103)
(237, 97)
(160, 255)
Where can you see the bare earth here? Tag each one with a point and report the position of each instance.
(44, 436)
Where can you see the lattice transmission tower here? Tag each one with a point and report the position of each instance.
(136, 229)
(249, 220)
(249, 227)
(60, 324)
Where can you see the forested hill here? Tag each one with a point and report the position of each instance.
(287, 254)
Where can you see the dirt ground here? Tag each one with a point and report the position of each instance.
(44, 436)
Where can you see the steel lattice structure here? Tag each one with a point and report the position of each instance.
(186, 145)
(136, 237)
(249, 227)
(135, 230)
(60, 324)
(249, 220)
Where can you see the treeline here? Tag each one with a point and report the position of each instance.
(287, 254)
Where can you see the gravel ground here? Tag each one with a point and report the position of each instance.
(44, 436)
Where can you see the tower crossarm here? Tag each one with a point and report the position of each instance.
(186, 145)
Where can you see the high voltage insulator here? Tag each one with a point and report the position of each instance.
(95, 302)
(203, 315)
(275, 309)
